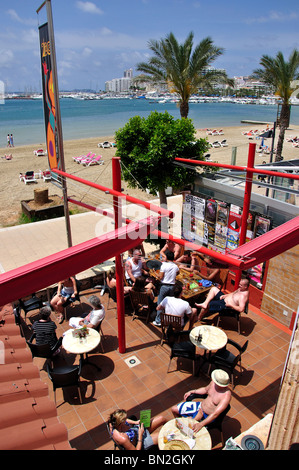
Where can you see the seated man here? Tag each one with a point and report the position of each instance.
(206, 411)
(184, 261)
(91, 319)
(134, 267)
(217, 300)
(177, 306)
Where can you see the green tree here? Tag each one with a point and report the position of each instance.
(183, 68)
(148, 146)
(280, 75)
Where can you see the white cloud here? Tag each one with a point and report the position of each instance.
(273, 16)
(6, 57)
(89, 7)
(14, 16)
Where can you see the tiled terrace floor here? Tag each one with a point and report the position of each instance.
(148, 385)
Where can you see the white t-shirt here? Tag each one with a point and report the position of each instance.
(176, 306)
(170, 271)
(94, 317)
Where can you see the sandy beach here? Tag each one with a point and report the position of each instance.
(13, 191)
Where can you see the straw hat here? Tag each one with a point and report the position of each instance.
(220, 377)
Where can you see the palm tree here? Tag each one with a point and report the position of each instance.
(280, 75)
(181, 69)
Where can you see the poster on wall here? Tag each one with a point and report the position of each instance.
(221, 224)
(201, 232)
(187, 218)
(234, 227)
(261, 226)
(200, 229)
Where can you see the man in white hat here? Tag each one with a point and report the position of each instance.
(207, 410)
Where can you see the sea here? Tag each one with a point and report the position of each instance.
(24, 118)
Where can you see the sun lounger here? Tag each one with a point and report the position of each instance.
(93, 161)
(46, 175)
(83, 157)
(39, 152)
(216, 144)
(28, 177)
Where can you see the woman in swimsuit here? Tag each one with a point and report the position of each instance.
(130, 434)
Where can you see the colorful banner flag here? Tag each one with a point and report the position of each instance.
(48, 96)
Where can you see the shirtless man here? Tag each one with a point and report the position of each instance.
(217, 400)
(217, 301)
(171, 246)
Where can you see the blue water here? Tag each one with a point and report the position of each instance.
(98, 118)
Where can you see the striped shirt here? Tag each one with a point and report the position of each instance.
(45, 332)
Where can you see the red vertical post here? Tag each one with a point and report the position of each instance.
(116, 176)
(246, 203)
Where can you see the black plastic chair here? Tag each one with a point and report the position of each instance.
(111, 295)
(217, 423)
(65, 376)
(18, 320)
(100, 331)
(43, 350)
(34, 303)
(169, 320)
(180, 345)
(230, 312)
(116, 445)
(226, 359)
(142, 305)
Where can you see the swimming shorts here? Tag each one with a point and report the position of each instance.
(217, 304)
(190, 409)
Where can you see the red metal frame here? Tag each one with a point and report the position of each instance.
(34, 276)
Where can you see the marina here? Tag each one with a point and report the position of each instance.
(86, 117)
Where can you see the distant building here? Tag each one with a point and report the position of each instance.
(251, 84)
(120, 85)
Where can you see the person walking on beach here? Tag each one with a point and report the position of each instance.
(11, 141)
(8, 140)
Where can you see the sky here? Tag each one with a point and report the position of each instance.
(97, 40)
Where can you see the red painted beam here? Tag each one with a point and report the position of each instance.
(44, 272)
(239, 168)
(269, 245)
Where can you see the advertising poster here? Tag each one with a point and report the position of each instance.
(233, 228)
(187, 218)
(221, 224)
(261, 226)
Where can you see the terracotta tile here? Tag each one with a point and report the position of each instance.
(150, 386)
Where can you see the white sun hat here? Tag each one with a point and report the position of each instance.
(220, 377)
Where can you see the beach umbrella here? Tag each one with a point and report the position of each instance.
(267, 134)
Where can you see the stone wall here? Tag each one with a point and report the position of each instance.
(281, 296)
